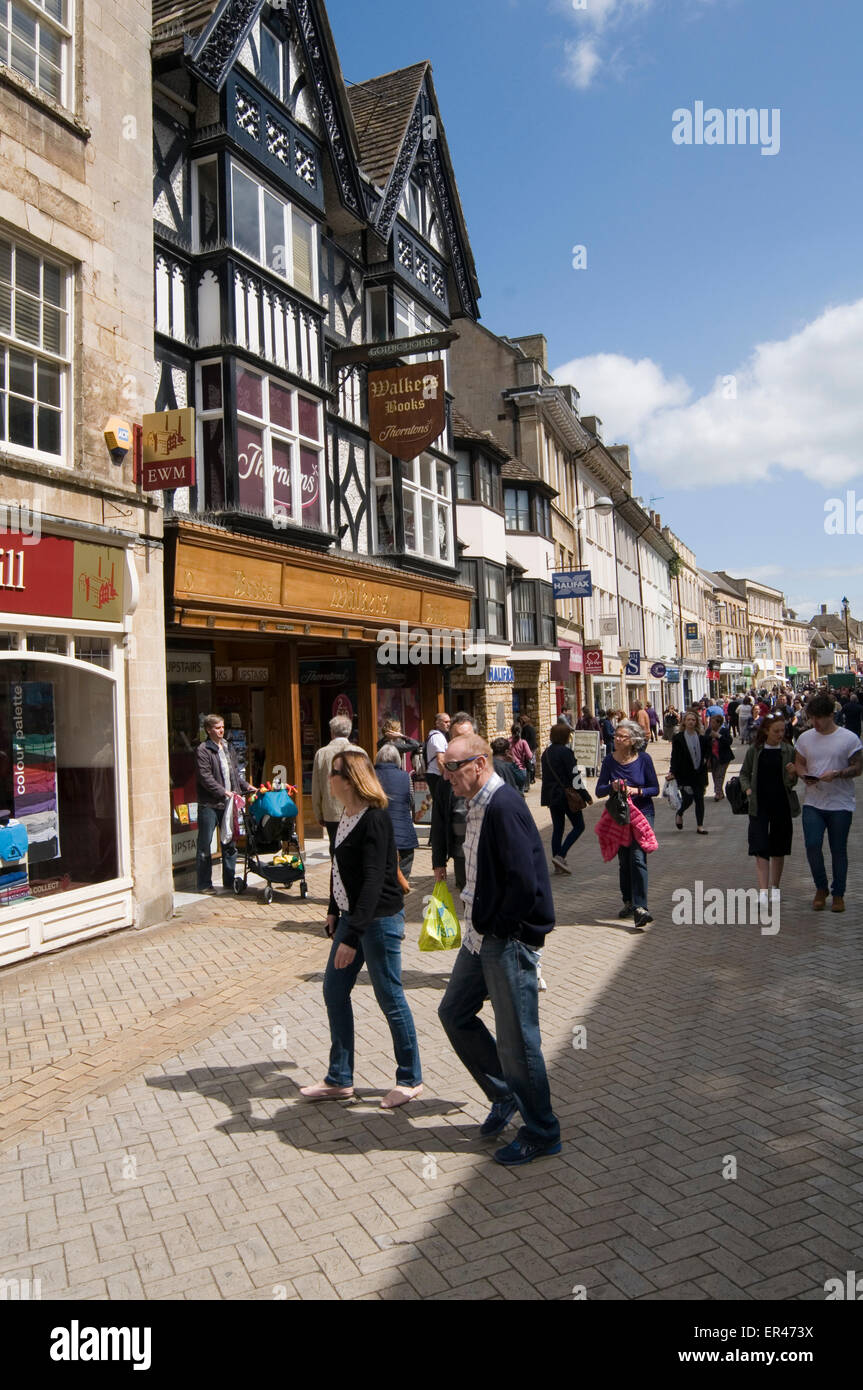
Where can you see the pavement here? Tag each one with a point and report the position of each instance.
(707, 1077)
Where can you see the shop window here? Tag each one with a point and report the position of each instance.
(35, 299)
(57, 777)
(273, 232)
(280, 457)
(36, 41)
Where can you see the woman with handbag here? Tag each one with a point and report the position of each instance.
(398, 790)
(366, 923)
(690, 750)
(558, 794)
(767, 777)
(630, 770)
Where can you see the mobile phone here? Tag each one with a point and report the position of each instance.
(810, 780)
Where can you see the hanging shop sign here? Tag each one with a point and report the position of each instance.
(169, 450)
(407, 408)
(692, 632)
(672, 675)
(658, 670)
(572, 584)
(608, 626)
(62, 578)
(593, 663)
(633, 665)
(392, 351)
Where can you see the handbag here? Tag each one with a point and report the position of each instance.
(736, 796)
(618, 807)
(576, 801)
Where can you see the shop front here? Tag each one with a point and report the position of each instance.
(281, 640)
(65, 851)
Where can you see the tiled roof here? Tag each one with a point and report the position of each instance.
(181, 16)
(463, 429)
(382, 108)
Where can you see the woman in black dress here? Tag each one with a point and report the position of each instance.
(767, 777)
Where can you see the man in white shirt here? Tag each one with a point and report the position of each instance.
(326, 809)
(828, 759)
(436, 743)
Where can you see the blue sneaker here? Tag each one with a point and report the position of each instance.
(525, 1151)
(498, 1118)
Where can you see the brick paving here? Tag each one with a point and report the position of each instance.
(152, 1143)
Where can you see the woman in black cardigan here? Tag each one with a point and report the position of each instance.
(690, 750)
(366, 921)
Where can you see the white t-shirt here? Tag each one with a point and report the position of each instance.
(828, 753)
(435, 745)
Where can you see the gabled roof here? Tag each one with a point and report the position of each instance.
(382, 109)
(174, 18)
(512, 469)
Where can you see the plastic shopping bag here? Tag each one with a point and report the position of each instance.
(441, 930)
(671, 792)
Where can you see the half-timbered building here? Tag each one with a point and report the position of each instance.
(295, 216)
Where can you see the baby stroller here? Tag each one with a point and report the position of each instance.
(269, 822)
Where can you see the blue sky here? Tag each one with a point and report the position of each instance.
(718, 325)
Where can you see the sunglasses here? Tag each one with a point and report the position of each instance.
(454, 766)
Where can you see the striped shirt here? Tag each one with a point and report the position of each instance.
(476, 809)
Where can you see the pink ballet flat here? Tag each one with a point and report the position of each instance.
(323, 1091)
(400, 1095)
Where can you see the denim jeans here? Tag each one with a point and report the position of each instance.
(632, 861)
(559, 817)
(381, 949)
(505, 972)
(209, 819)
(837, 824)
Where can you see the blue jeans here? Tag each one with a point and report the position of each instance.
(209, 819)
(837, 824)
(381, 949)
(632, 860)
(512, 1067)
(559, 817)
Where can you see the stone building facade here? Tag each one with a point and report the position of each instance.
(82, 666)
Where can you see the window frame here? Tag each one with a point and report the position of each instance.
(290, 213)
(64, 361)
(541, 614)
(291, 437)
(65, 34)
(387, 480)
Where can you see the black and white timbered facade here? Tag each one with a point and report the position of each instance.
(294, 216)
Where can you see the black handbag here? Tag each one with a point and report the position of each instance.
(618, 807)
(736, 797)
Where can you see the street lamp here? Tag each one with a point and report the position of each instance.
(846, 609)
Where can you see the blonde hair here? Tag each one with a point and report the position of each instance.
(359, 772)
(391, 726)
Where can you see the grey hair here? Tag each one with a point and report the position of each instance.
(388, 753)
(635, 731)
(463, 718)
(340, 726)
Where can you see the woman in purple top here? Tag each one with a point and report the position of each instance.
(631, 768)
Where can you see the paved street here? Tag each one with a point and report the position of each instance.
(152, 1143)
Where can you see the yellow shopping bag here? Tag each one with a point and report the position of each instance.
(441, 930)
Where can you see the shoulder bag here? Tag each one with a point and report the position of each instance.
(575, 801)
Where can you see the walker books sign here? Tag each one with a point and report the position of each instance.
(169, 450)
(407, 408)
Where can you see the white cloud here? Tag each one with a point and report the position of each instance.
(795, 404)
(582, 61)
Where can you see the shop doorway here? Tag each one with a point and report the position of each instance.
(328, 688)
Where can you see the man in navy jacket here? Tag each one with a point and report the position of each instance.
(509, 912)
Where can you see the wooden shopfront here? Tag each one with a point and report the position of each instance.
(286, 638)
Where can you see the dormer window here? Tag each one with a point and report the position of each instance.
(263, 54)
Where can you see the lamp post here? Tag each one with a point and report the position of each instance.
(846, 609)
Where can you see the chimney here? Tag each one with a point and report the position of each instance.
(824, 608)
(593, 424)
(534, 345)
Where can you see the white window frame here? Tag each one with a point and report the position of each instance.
(412, 320)
(10, 342)
(413, 487)
(295, 441)
(63, 32)
(290, 212)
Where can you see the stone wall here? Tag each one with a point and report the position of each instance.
(76, 183)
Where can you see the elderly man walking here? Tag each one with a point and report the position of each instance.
(510, 911)
(219, 781)
(326, 809)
